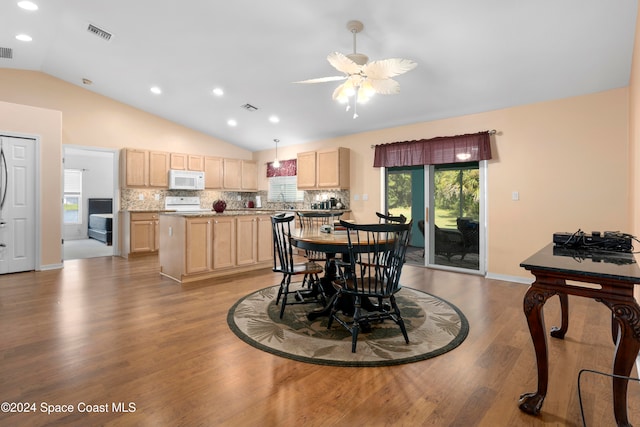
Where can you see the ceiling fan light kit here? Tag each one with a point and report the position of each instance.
(363, 79)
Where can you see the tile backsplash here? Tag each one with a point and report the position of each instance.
(153, 199)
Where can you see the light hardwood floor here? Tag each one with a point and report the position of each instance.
(109, 330)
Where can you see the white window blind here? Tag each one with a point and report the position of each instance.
(284, 189)
(72, 203)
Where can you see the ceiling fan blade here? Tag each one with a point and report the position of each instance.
(386, 68)
(341, 63)
(385, 86)
(323, 79)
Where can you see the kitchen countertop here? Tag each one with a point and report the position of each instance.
(248, 211)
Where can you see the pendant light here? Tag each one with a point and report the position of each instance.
(276, 162)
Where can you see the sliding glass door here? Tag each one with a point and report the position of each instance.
(446, 203)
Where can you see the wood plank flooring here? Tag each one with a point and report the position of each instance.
(109, 331)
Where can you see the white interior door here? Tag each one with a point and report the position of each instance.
(17, 204)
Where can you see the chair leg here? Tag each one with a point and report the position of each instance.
(400, 321)
(285, 293)
(280, 289)
(355, 329)
(334, 309)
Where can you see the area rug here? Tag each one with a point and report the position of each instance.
(434, 326)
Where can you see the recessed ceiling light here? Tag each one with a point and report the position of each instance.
(24, 38)
(27, 5)
(218, 91)
(156, 90)
(274, 119)
(232, 122)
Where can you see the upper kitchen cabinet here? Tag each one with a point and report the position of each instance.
(240, 175)
(324, 169)
(158, 169)
(212, 173)
(143, 168)
(306, 170)
(249, 175)
(190, 162)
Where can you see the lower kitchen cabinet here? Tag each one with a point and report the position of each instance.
(205, 246)
(140, 234)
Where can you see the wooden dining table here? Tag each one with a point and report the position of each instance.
(332, 243)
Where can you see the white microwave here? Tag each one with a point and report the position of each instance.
(186, 180)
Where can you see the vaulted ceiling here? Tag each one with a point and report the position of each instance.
(472, 56)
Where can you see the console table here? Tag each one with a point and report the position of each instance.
(616, 273)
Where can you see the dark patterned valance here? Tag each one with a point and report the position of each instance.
(434, 151)
(287, 168)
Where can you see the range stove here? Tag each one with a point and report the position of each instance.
(184, 204)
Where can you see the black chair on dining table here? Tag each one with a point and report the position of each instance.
(283, 262)
(376, 257)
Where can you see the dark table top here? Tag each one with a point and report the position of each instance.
(592, 264)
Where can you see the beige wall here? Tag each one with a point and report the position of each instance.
(46, 125)
(90, 119)
(567, 158)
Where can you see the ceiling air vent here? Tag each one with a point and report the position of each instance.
(6, 52)
(249, 107)
(105, 35)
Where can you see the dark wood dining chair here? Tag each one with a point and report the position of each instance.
(376, 257)
(383, 219)
(283, 262)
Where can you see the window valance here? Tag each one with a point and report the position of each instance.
(434, 151)
(287, 168)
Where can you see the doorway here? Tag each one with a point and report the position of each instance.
(446, 203)
(89, 174)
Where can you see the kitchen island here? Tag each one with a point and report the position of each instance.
(202, 245)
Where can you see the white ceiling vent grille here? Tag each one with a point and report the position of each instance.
(6, 52)
(249, 107)
(105, 35)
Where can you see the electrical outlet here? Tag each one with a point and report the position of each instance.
(140, 196)
(356, 197)
(365, 197)
(157, 196)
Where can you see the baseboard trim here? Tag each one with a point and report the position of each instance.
(50, 267)
(505, 278)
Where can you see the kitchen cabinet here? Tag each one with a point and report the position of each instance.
(231, 174)
(191, 162)
(249, 175)
(178, 161)
(246, 240)
(265, 239)
(254, 239)
(196, 247)
(135, 167)
(143, 168)
(212, 173)
(140, 234)
(199, 254)
(322, 169)
(333, 168)
(240, 175)
(306, 170)
(224, 242)
(158, 169)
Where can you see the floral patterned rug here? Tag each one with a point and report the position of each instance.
(434, 327)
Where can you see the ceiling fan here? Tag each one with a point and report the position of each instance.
(362, 78)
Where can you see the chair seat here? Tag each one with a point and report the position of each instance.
(306, 268)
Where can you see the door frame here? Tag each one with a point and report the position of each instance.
(429, 230)
(36, 193)
(116, 190)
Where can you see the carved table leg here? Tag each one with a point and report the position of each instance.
(534, 301)
(627, 318)
(564, 307)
